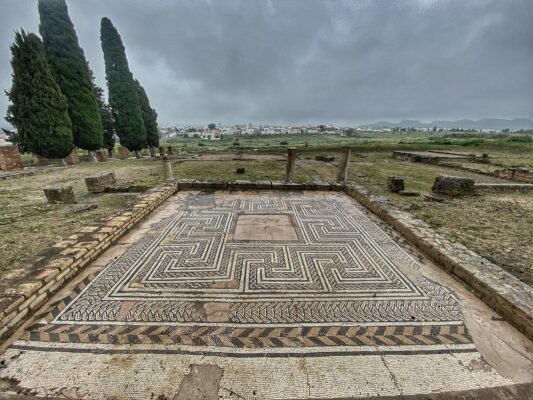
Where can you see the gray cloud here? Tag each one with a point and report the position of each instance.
(293, 61)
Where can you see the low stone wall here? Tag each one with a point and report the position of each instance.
(257, 185)
(515, 174)
(503, 187)
(503, 292)
(31, 172)
(10, 159)
(71, 255)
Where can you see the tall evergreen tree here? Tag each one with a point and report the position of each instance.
(38, 109)
(71, 70)
(149, 118)
(107, 119)
(123, 97)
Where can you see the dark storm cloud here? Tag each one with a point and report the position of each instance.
(312, 61)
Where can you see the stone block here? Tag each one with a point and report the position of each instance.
(395, 184)
(72, 158)
(101, 155)
(60, 194)
(123, 153)
(99, 183)
(249, 185)
(453, 186)
(10, 159)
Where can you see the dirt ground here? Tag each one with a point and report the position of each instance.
(29, 225)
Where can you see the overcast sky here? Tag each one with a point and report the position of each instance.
(306, 61)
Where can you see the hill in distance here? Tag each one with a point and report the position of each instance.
(486, 123)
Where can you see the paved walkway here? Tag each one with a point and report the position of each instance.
(267, 295)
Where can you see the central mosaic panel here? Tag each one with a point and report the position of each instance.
(198, 278)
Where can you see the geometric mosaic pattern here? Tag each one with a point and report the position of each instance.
(343, 282)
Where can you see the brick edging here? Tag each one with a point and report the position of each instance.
(506, 294)
(72, 254)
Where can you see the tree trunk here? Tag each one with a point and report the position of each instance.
(138, 154)
(92, 156)
(110, 153)
(152, 151)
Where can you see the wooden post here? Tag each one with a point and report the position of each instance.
(344, 159)
(291, 162)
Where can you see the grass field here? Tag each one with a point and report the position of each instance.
(498, 226)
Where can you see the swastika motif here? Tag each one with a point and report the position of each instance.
(343, 282)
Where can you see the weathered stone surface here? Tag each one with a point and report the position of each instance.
(98, 183)
(167, 168)
(123, 153)
(101, 155)
(60, 194)
(395, 183)
(10, 159)
(72, 158)
(453, 186)
(342, 169)
(252, 185)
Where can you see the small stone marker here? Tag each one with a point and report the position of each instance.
(395, 184)
(98, 183)
(342, 170)
(60, 194)
(453, 186)
(291, 162)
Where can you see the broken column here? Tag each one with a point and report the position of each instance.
(342, 169)
(453, 186)
(167, 168)
(395, 184)
(99, 183)
(60, 194)
(291, 162)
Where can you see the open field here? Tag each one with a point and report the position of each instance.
(29, 225)
(498, 226)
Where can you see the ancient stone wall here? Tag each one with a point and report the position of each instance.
(10, 159)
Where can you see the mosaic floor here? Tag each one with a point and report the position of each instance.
(306, 289)
(262, 274)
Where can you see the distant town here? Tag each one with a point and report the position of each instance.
(217, 131)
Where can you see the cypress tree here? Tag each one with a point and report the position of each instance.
(149, 118)
(123, 97)
(38, 109)
(108, 124)
(72, 73)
